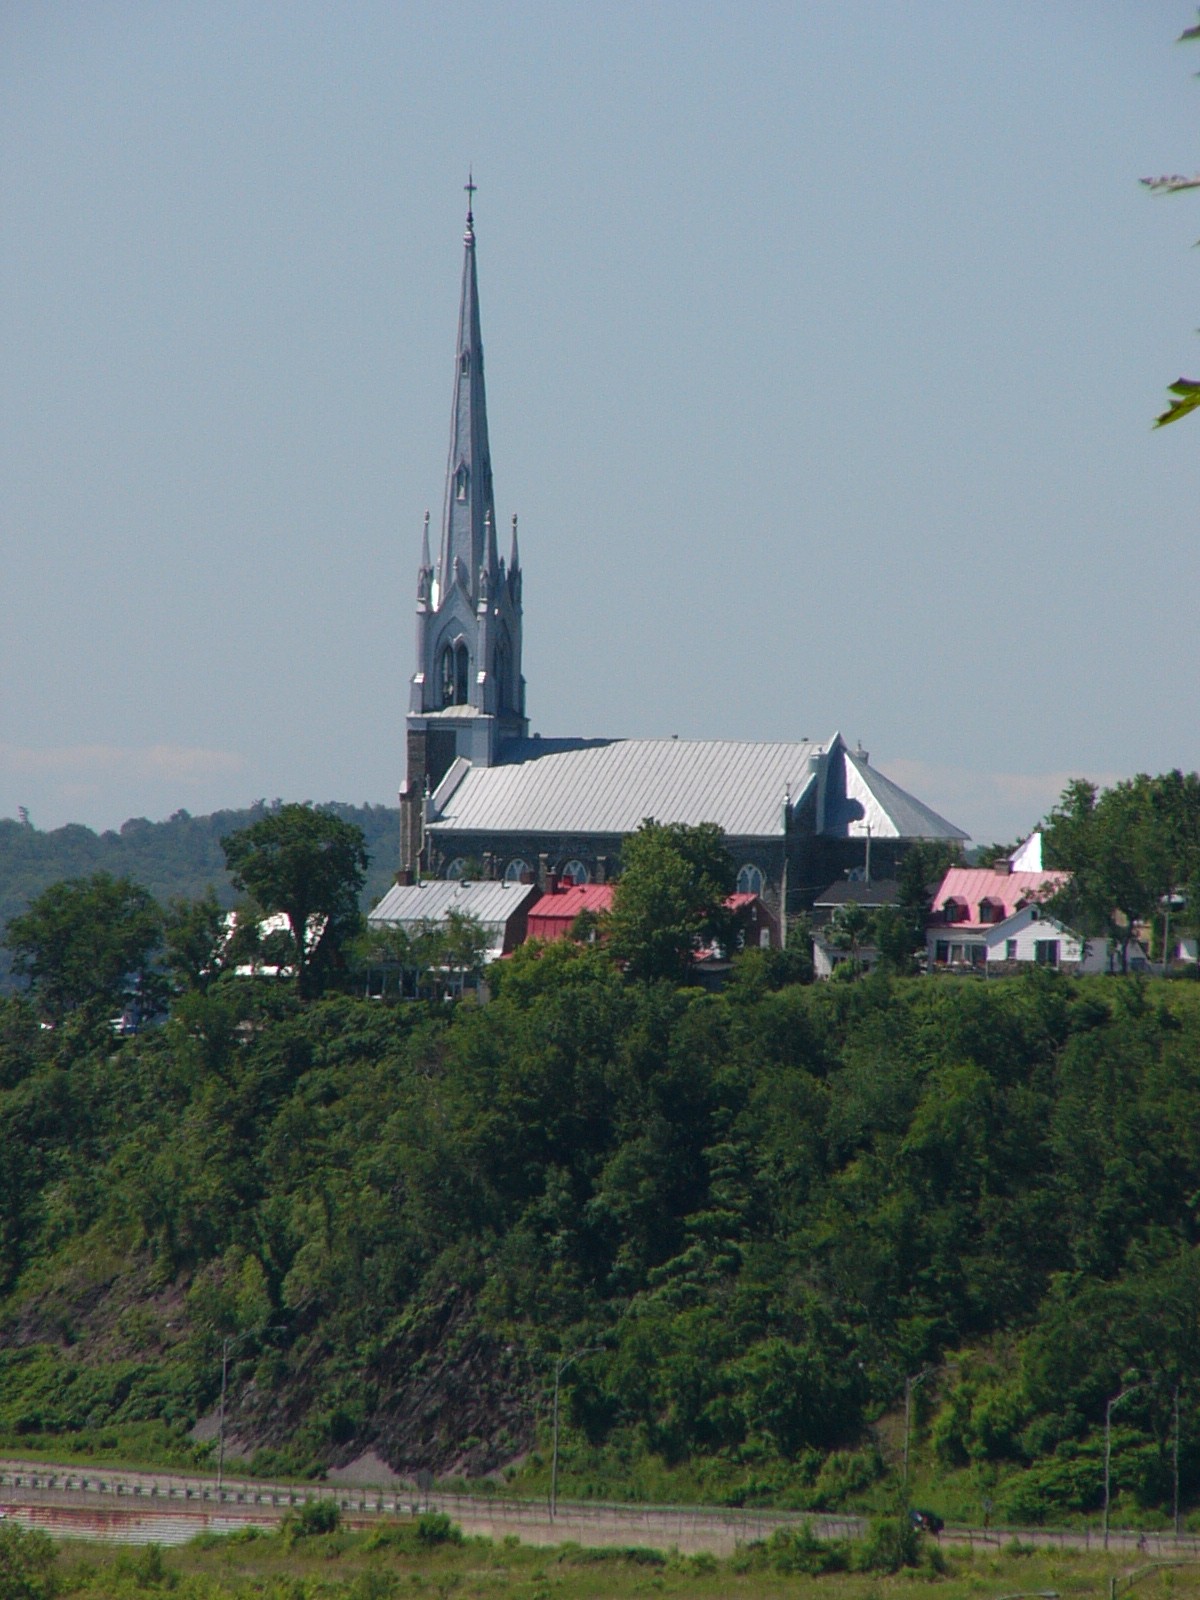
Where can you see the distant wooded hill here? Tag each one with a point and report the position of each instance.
(181, 856)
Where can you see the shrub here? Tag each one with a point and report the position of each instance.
(799, 1550)
(435, 1527)
(890, 1545)
(314, 1518)
(26, 1564)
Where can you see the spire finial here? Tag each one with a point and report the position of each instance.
(470, 186)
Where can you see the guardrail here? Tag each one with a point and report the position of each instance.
(197, 1503)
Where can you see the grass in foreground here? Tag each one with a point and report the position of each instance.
(428, 1557)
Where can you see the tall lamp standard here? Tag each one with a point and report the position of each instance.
(1108, 1411)
(230, 1342)
(910, 1384)
(560, 1366)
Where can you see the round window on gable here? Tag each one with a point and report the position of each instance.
(750, 879)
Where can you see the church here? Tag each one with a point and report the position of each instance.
(482, 797)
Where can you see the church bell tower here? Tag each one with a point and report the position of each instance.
(467, 696)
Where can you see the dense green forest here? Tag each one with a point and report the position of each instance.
(179, 857)
(734, 1226)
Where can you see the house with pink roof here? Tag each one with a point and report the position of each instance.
(995, 919)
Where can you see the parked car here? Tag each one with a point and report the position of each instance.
(926, 1521)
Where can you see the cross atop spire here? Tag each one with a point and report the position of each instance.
(470, 186)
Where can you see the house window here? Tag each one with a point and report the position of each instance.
(977, 954)
(518, 871)
(750, 879)
(1010, 949)
(575, 872)
(1045, 952)
(941, 952)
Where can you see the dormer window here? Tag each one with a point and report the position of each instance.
(955, 911)
(461, 480)
(991, 911)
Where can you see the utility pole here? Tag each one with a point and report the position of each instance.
(1175, 1463)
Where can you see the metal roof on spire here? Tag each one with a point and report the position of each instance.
(469, 466)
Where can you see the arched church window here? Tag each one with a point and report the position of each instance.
(518, 871)
(446, 676)
(575, 872)
(750, 879)
(461, 479)
(456, 868)
(461, 672)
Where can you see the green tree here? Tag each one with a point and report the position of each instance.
(86, 940)
(670, 897)
(309, 865)
(27, 1564)
(1185, 390)
(1131, 851)
(921, 870)
(850, 928)
(196, 937)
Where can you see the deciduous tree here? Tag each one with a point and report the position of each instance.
(84, 940)
(670, 898)
(309, 865)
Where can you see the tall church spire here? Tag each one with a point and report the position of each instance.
(469, 467)
(467, 696)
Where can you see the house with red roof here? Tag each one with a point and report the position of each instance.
(555, 913)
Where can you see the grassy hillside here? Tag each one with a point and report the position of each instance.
(746, 1219)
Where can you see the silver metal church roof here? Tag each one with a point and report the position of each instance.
(611, 787)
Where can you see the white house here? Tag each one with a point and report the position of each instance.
(995, 919)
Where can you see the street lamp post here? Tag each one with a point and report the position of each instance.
(911, 1383)
(228, 1343)
(1108, 1411)
(560, 1366)
(1175, 1462)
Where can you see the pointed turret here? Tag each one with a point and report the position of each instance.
(514, 568)
(425, 595)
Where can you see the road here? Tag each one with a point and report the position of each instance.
(171, 1508)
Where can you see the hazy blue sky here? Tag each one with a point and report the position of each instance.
(823, 342)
